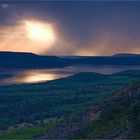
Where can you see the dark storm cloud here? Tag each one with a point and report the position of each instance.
(85, 27)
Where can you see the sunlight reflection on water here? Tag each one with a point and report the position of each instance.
(17, 76)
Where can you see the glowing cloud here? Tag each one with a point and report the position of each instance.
(27, 36)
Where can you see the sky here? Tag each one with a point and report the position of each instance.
(70, 27)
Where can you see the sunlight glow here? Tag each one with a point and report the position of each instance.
(28, 36)
(39, 32)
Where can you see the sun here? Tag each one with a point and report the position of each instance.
(39, 32)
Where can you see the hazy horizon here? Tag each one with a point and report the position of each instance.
(70, 55)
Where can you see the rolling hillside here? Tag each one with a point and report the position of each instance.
(30, 107)
(118, 116)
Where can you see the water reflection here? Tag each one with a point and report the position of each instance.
(32, 76)
(16, 76)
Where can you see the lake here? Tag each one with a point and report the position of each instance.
(19, 76)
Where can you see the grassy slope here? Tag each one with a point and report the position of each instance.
(26, 133)
(120, 117)
(29, 103)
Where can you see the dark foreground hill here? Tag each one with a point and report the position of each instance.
(115, 117)
(118, 116)
(29, 60)
(59, 108)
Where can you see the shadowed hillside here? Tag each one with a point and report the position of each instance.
(118, 116)
(115, 117)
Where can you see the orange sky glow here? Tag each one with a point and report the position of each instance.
(43, 38)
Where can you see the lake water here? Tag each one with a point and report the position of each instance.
(18, 76)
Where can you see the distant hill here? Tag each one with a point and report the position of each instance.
(108, 60)
(30, 60)
(126, 55)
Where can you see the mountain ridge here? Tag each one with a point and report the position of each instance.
(30, 60)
